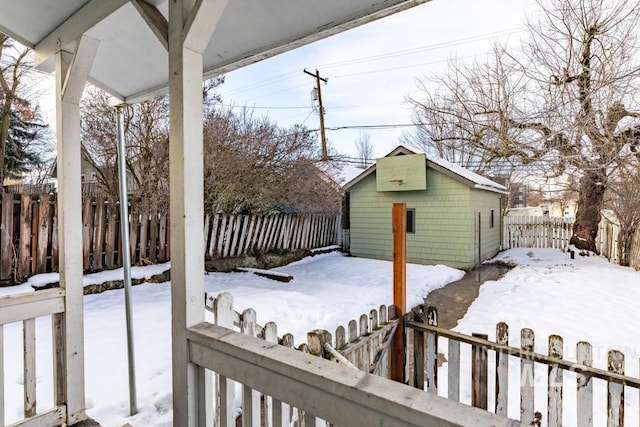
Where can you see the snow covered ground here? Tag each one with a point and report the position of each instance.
(583, 299)
(586, 299)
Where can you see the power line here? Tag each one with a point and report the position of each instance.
(372, 58)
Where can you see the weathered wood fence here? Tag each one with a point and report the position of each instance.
(424, 324)
(29, 235)
(234, 235)
(549, 232)
(314, 392)
(362, 345)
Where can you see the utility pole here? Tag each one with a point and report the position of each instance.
(323, 138)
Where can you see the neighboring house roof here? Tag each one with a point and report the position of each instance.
(456, 172)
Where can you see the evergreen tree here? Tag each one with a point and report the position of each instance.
(22, 152)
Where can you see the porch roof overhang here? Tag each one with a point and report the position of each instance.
(132, 61)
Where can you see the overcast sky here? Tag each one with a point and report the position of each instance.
(373, 68)
(370, 69)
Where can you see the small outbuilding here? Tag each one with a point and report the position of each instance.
(453, 214)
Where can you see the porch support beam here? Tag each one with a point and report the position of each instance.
(191, 406)
(75, 26)
(154, 19)
(72, 72)
(202, 22)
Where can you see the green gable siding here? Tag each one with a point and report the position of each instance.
(443, 221)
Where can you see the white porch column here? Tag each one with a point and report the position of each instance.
(190, 27)
(71, 74)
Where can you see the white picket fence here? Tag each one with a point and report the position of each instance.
(536, 232)
(549, 232)
(298, 390)
(362, 345)
(495, 376)
(235, 235)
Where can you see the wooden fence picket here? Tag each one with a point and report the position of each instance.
(153, 237)
(527, 377)
(502, 371)
(87, 230)
(225, 388)
(6, 236)
(133, 235)
(113, 230)
(453, 389)
(555, 377)
(431, 364)
(250, 397)
(98, 235)
(479, 374)
(584, 386)
(615, 392)
(45, 226)
(35, 230)
(24, 248)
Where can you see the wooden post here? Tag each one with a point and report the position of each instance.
(71, 75)
(191, 25)
(479, 374)
(399, 226)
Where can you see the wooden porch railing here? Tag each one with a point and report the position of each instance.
(424, 325)
(26, 308)
(300, 389)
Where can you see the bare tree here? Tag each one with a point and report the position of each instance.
(146, 138)
(623, 198)
(565, 101)
(364, 149)
(251, 165)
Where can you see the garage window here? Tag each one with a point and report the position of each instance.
(411, 220)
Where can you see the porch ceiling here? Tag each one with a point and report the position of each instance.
(131, 61)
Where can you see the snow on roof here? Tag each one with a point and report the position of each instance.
(349, 172)
(478, 181)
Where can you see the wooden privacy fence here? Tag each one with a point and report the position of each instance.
(424, 324)
(235, 235)
(29, 235)
(362, 345)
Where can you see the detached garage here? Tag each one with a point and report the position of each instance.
(453, 214)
